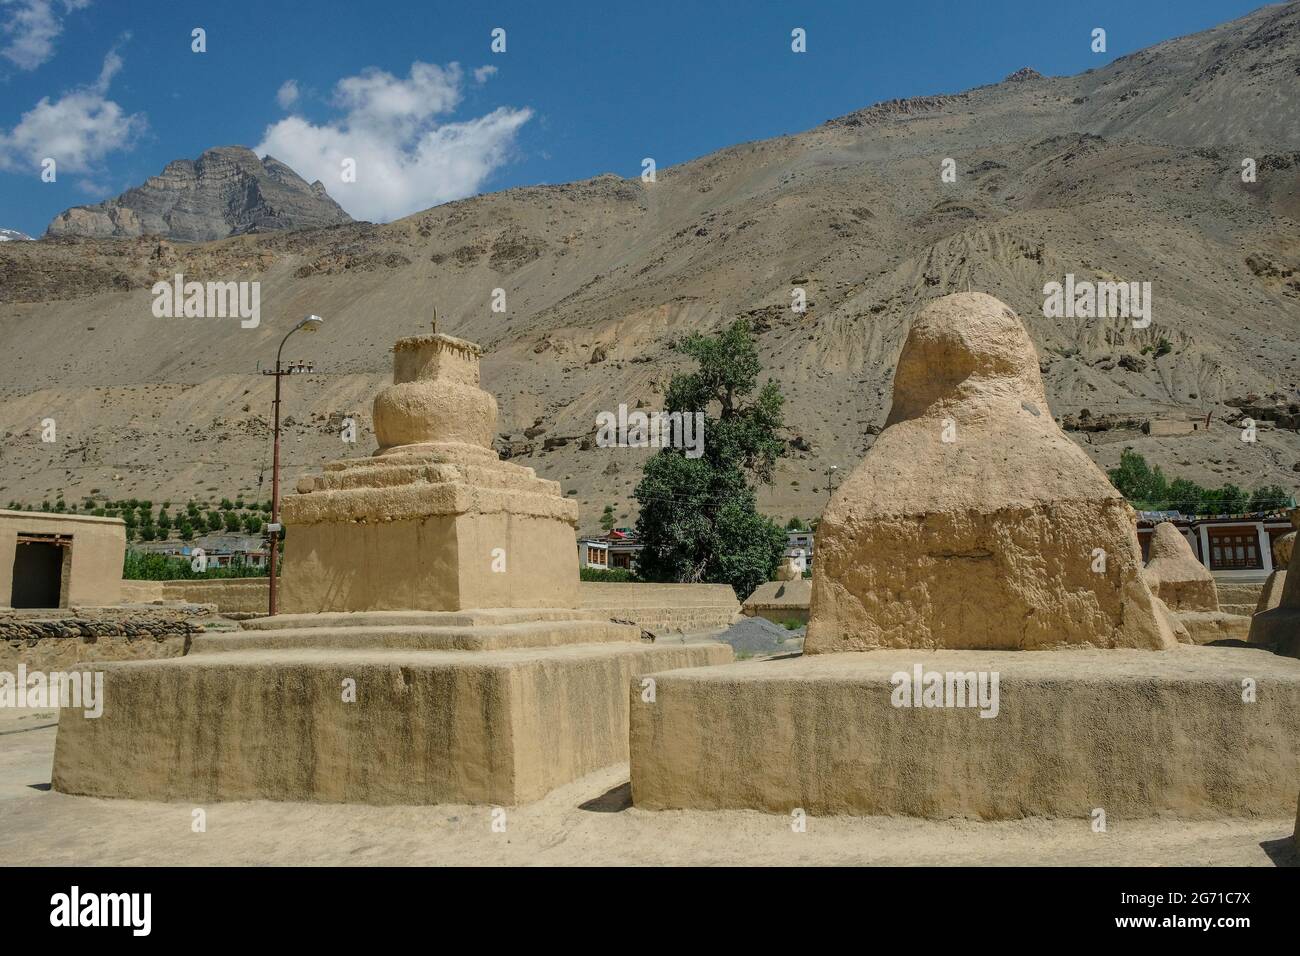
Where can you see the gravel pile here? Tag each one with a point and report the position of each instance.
(757, 636)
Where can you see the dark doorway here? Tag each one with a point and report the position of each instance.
(38, 574)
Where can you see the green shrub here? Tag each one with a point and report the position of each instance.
(608, 575)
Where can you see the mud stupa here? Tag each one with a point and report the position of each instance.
(973, 521)
(434, 520)
(1271, 594)
(436, 656)
(982, 642)
(1279, 626)
(1187, 588)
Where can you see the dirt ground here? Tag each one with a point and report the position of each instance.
(588, 823)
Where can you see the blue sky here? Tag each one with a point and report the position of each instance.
(112, 90)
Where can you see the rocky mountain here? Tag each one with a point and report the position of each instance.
(227, 191)
(1132, 172)
(8, 235)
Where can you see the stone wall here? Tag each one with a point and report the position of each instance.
(229, 595)
(48, 641)
(677, 608)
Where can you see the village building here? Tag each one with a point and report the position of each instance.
(618, 549)
(221, 550)
(60, 560)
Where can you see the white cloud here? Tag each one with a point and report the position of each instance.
(287, 95)
(406, 158)
(482, 73)
(76, 130)
(32, 26)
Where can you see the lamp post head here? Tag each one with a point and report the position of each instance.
(310, 324)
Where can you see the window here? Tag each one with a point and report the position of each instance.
(1234, 549)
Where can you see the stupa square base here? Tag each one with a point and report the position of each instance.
(427, 726)
(1134, 733)
(433, 562)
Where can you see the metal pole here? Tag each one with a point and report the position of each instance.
(275, 488)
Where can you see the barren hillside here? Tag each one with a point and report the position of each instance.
(1131, 172)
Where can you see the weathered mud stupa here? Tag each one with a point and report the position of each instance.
(982, 640)
(436, 654)
(1187, 588)
(1270, 596)
(1278, 627)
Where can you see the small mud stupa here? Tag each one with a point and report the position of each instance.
(1271, 594)
(433, 520)
(1279, 627)
(1189, 593)
(437, 653)
(973, 521)
(1176, 576)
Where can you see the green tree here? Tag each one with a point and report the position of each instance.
(1231, 500)
(1185, 496)
(1139, 482)
(164, 523)
(252, 523)
(231, 520)
(186, 527)
(1268, 498)
(699, 518)
(607, 518)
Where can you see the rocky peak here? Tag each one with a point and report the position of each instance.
(1023, 74)
(226, 191)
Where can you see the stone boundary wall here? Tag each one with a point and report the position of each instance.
(230, 595)
(53, 640)
(677, 608)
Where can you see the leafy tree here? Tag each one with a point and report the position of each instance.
(1267, 498)
(1185, 496)
(796, 524)
(1229, 500)
(186, 527)
(227, 504)
(607, 518)
(232, 521)
(1139, 482)
(164, 523)
(252, 523)
(699, 518)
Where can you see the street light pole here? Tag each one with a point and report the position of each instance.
(830, 471)
(309, 324)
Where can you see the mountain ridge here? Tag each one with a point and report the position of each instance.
(1084, 174)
